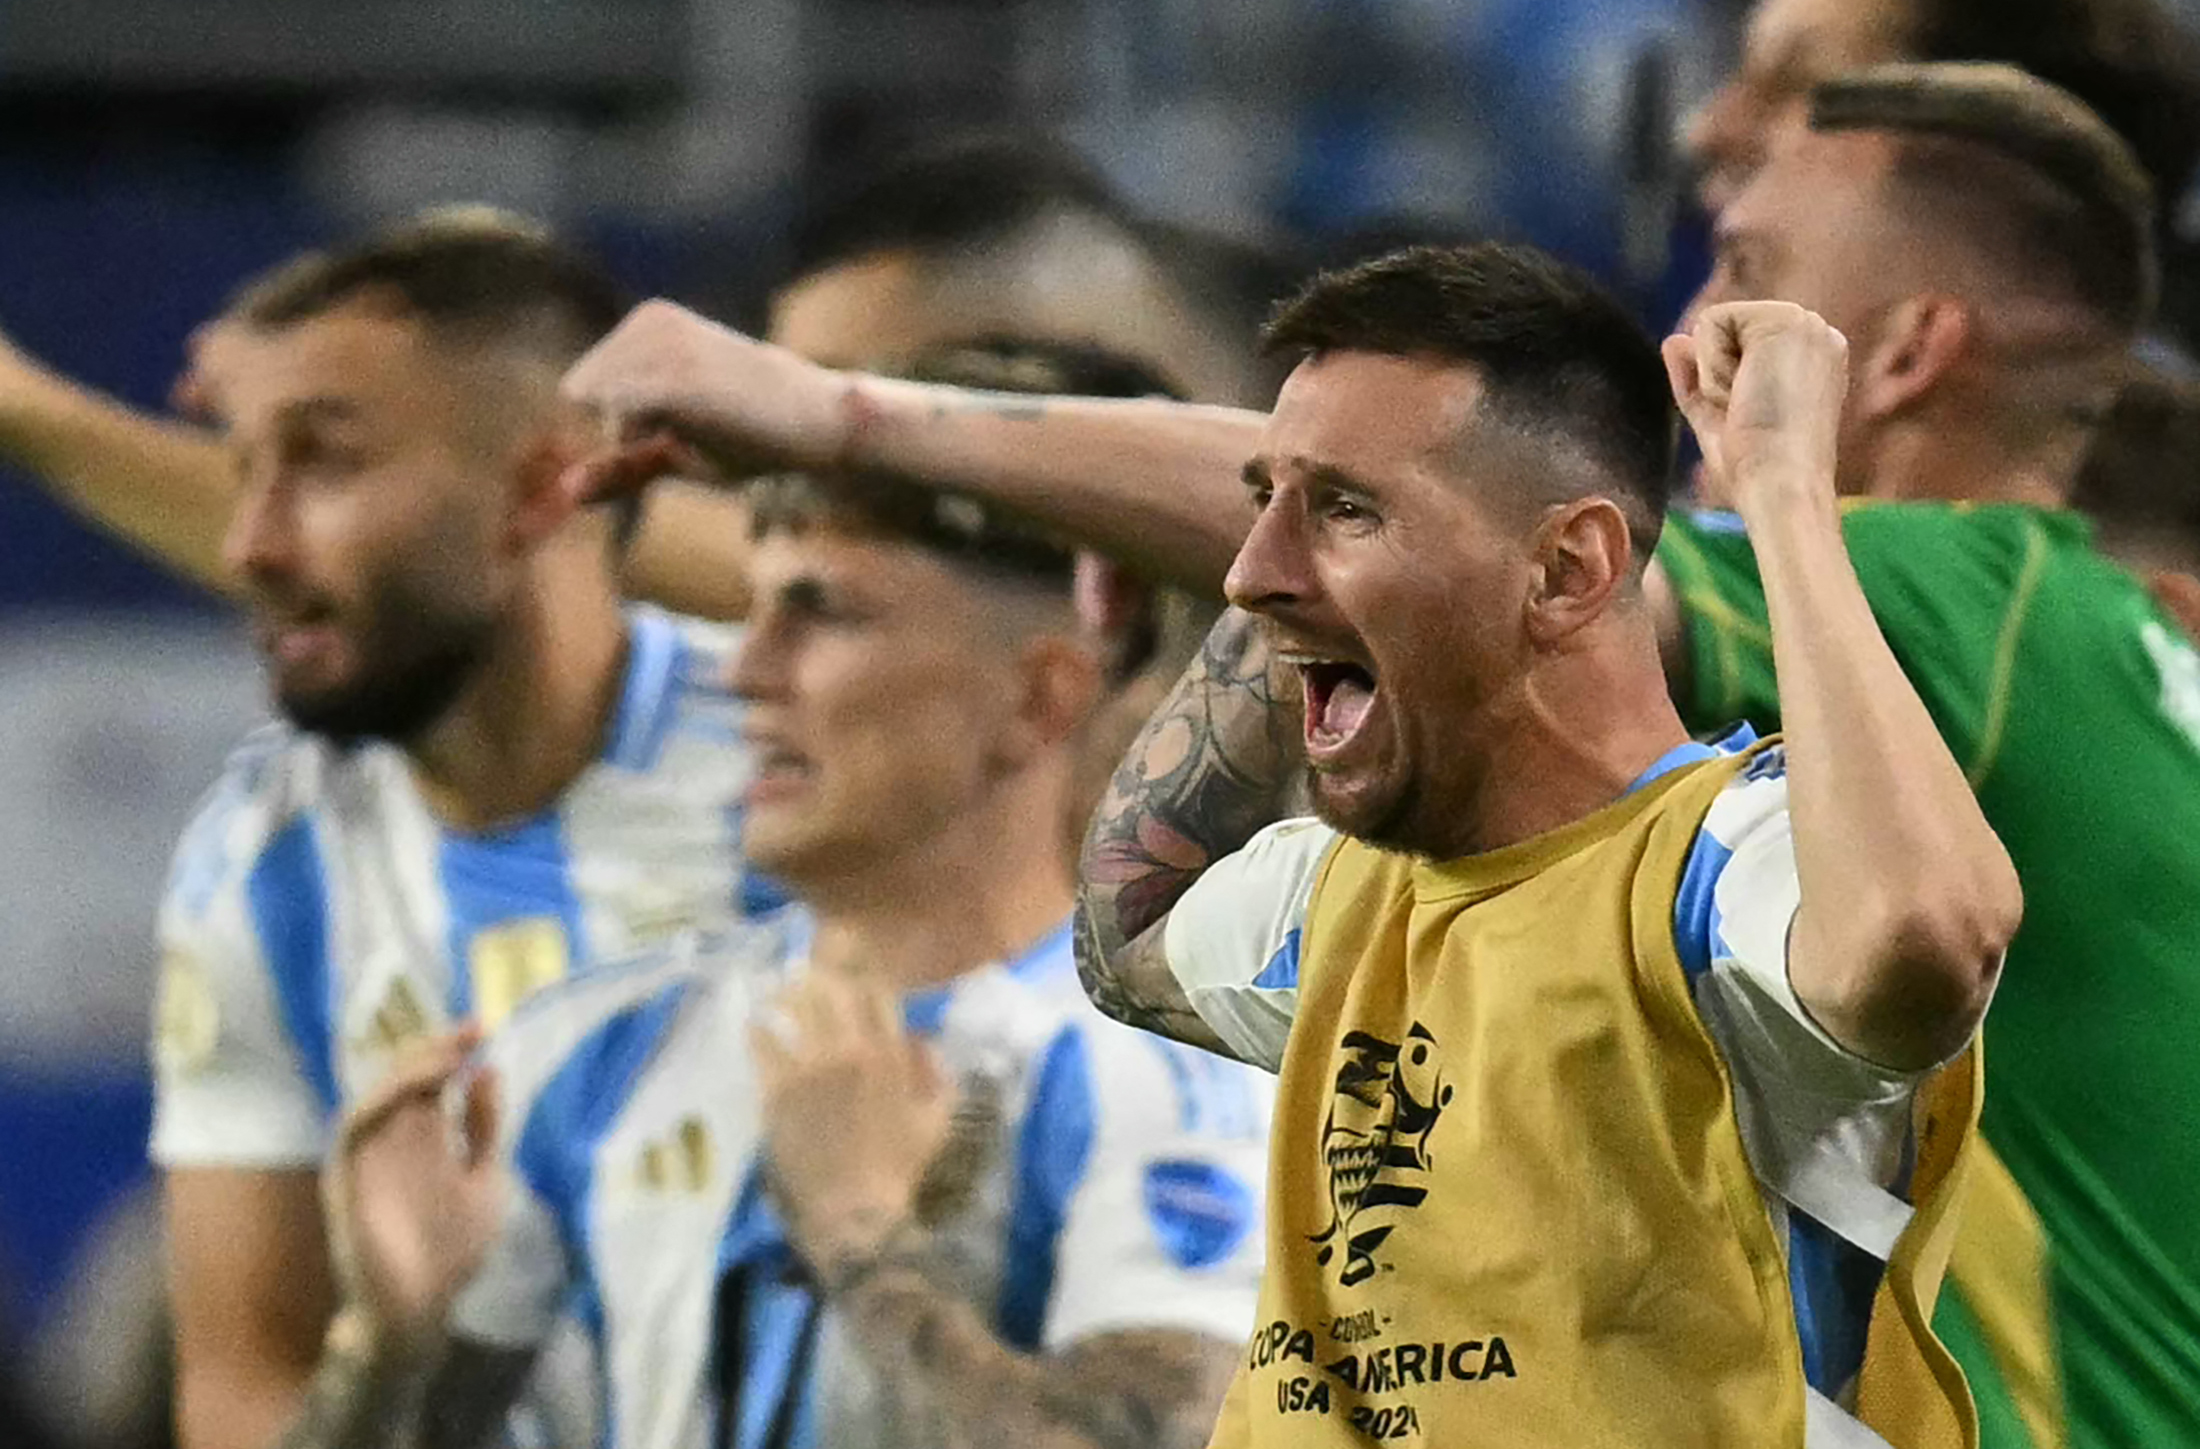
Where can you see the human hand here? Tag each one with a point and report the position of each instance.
(414, 1205)
(668, 373)
(856, 1115)
(210, 355)
(1762, 385)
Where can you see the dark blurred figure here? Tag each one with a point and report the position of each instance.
(2141, 487)
(983, 235)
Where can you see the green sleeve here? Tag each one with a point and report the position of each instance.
(1952, 588)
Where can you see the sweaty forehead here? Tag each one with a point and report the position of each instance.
(1370, 415)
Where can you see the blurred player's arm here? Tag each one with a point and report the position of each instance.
(1133, 1389)
(250, 1294)
(1151, 482)
(1908, 900)
(1217, 762)
(164, 486)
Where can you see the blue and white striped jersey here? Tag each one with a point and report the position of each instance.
(1122, 1192)
(318, 915)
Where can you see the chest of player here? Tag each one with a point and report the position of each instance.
(1510, 1203)
(424, 925)
(688, 1260)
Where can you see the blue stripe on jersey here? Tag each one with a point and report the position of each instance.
(501, 877)
(1832, 1284)
(1696, 906)
(649, 696)
(1052, 1151)
(1687, 754)
(1717, 520)
(776, 1308)
(556, 1155)
(1282, 971)
(288, 894)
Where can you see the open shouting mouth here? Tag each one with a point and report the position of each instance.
(1340, 698)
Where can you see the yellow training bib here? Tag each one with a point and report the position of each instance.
(1509, 1205)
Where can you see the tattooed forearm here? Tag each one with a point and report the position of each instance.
(1219, 760)
(365, 1396)
(938, 1364)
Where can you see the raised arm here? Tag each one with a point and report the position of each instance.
(1219, 760)
(1151, 482)
(1908, 899)
(162, 486)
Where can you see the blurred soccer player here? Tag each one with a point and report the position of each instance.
(1036, 1227)
(1989, 322)
(490, 775)
(2129, 60)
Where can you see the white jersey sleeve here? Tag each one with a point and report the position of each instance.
(1142, 1162)
(1233, 938)
(241, 1056)
(1798, 1091)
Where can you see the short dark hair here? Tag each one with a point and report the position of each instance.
(947, 193)
(1556, 353)
(473, 274)
(2129, 60)
(2023, 167)
(466, 271)
(966, 532)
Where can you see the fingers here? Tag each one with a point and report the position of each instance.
(631, 465)
(420, 1075)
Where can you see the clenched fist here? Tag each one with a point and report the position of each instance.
(1762, 385)
(666, 372)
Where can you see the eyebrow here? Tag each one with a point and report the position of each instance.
(1257, 474)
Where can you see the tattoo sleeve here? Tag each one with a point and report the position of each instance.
(1219, 760)
(948, 1380)
(363, 1398)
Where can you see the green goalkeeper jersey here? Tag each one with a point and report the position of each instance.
(2075, 707)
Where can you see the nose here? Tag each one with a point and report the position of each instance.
(262, 537)
(1272, 569)
(1722, 142)
(756, 669)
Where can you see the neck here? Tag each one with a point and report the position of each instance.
(1578, 733)
(991, 887)
(537, 712)
(1951, 461)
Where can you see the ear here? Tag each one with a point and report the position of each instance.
(1921, 342)
(541, 504)
(1583, 556)
(1059, 682)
